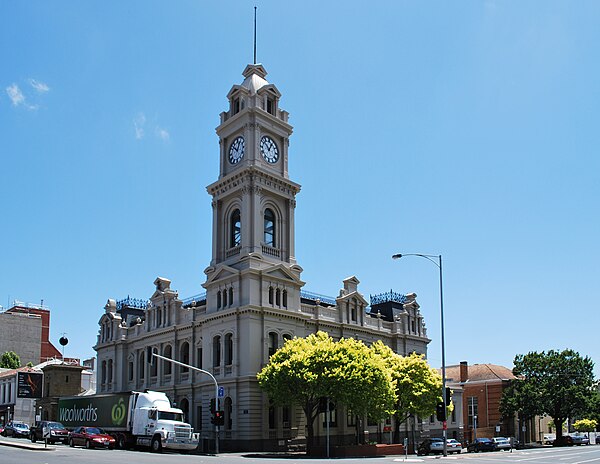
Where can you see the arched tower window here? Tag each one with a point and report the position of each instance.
(142, 366)
(269, 237)
(230, 296)
(154, 365)
(219, 299)
(235, 229)
(271, 295)
(225, 298)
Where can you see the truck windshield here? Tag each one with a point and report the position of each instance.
(174, 416)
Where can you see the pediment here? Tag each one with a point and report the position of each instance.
(222, 272)
(282, 273)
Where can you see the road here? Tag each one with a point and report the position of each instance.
(64, 455)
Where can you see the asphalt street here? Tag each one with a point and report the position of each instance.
(61, 454)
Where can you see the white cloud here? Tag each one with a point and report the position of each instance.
(41, 87)
(162, 134)
(138, 123)
(15, 95)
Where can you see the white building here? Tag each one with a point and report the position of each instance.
(254, 297)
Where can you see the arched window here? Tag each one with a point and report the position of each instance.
(278, 297)
(224, 298)
(109, 370)
(273, 345)
(271, 295)
(228, 349)
(154, 364)
(184, 405)
(130, 370)
(285, 298)
(228, 413)
(142, 366)
(235, 229)
(219, 299)
(103, 376)
(184, 356)
(269, 237)
(216, 351)
(230, 296)
(167, 366)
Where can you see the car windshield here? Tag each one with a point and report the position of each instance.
(484, 440)
(55, 425)
(174, 416)
(95, 430)
(20, 426)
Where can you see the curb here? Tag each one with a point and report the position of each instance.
(25, 445)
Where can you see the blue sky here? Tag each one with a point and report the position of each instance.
(468, 129)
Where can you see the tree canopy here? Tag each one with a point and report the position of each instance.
(556, 383)
(418, 386)
(369, 381)
(347, 372)
(10, 360)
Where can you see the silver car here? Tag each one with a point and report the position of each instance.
(502, 443)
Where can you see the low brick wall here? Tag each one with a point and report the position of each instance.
(357, 451)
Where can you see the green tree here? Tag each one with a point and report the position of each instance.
(556, 383)
(418, 386)
(347, 372)
(10, 360)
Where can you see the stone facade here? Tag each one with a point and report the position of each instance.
(254, 297)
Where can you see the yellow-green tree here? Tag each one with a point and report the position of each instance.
(10, 360)
(345, 371)
(418, 386)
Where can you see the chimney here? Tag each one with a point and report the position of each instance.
(464, 371)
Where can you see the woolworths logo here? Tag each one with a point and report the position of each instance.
(118, 413)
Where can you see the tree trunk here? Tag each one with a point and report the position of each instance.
(310, 427)
(558, 423)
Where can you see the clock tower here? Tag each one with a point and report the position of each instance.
(253, 203)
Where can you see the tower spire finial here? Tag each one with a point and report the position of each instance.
(255, 35)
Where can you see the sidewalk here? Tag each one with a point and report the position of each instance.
(25, 444)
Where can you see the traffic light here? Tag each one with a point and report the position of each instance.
(218, 418)
(448, 396)
(212, 406)
(440, 411)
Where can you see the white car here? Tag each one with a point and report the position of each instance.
(501, 443)
(453, 446)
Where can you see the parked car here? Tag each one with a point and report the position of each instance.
(16, 429)
(55, 430)
(453, 446)
(1, 429)
(580, 439)
(502, 443)
(91, 437)
(431, 445)
(548, 439)
(598, 439)
(481, 444)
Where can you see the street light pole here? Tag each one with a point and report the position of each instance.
(437, 260)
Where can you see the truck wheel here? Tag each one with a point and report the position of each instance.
(156, 445)
(121, 442)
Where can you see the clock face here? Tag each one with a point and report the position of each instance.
(268, 149)
(236, 150)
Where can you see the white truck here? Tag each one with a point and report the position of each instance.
(133, 419)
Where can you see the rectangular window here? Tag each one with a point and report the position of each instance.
(471, 409)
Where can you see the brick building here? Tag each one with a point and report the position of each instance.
(482, 386)
(25, 329)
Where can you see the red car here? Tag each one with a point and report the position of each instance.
(91, 437)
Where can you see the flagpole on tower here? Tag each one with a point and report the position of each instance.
(255, 35)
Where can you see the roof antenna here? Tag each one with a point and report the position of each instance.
(255, 35)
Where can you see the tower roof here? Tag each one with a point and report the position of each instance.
(255, 77)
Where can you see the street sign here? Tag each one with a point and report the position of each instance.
(221, 392)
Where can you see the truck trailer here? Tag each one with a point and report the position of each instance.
(133, 418)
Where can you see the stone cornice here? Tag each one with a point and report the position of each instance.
(253, 177)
